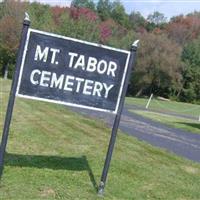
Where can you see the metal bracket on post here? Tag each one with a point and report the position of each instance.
(133, 51)
(26, 24)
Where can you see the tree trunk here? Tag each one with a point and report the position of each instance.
(6, 71)
(139, 92)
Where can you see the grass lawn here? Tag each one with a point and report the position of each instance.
(54, 153)
(173, 121)
(189, 109)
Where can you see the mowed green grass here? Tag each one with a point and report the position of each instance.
(181, 108)
(173, 121)
(54, 153)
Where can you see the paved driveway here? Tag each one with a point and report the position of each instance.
(180, 142)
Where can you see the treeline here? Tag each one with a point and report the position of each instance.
(168, 62)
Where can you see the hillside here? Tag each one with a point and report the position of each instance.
(54, 153)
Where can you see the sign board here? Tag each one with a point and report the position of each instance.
(72, 72)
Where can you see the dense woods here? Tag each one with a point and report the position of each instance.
(168, 61)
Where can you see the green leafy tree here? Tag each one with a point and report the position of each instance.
(136, 20)
(2, 6)
(10, 29)
(104, 8)
(122, 40)
(157, 18)
(119, 15)
(41, 17)
(158, 67)
(81, 27)
(83, 3)
(191, 75)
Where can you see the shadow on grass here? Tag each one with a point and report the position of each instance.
(193, 125)
(51, 162)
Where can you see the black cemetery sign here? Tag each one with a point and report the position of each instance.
(72, 72)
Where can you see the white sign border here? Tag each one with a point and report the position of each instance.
(62, 102)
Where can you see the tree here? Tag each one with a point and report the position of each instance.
(137, 21)
(183, 29)
(110, 30)
(2, 6)
(104, 8)
(41, 17)
(10, 28)
(83, 4)
(158, 67)
(57, 12)
(157, 18)
(119, 15)
(86, 13)
(191, 75)
(81, 23)
(123, 40)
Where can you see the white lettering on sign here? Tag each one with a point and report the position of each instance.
(70, 83)
(34, 82)
(87, 89)
(56, 82)
(98, 87)
(80, 62)
(112, 67)
(43, 55)
(102, 67)
(92, 64)
(39, 54)
(72, 55)
(107, 88)
(79, 81)
(44, 81)
(54, 52)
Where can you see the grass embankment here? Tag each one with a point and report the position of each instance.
(187, 109)
(54, 153)
(166, 111)
(173, 121)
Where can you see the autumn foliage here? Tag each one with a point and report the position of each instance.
(168, 57)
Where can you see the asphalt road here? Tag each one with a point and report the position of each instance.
(180, 142)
